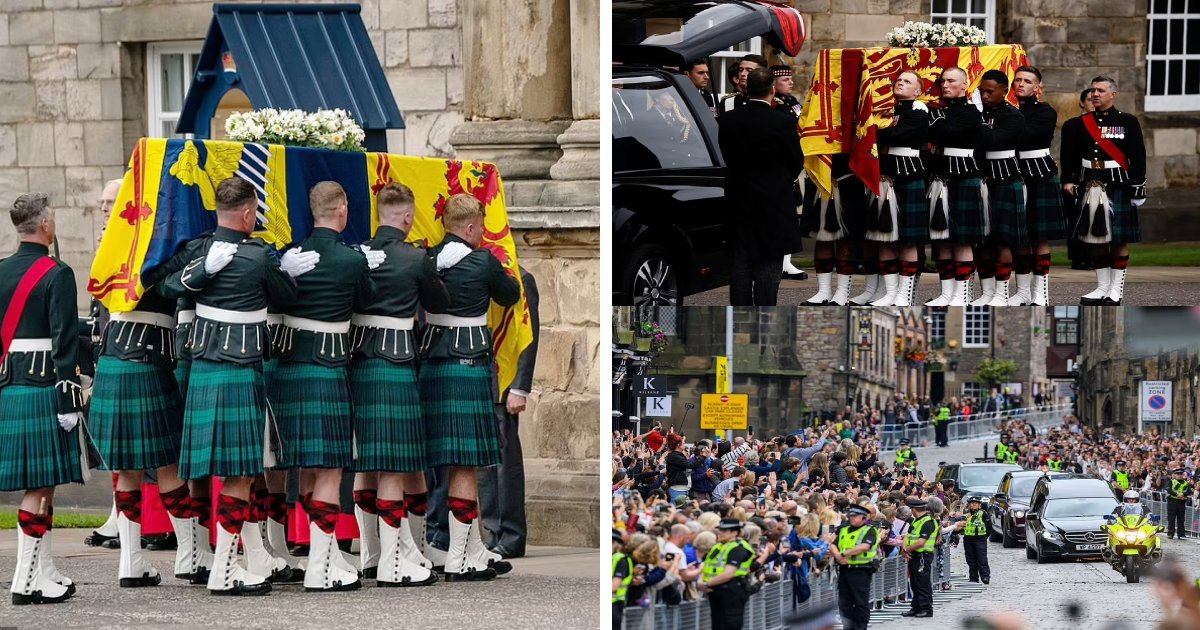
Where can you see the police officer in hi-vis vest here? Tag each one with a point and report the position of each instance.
(1054, 461)
(918, 549)
(1118, 477)
(622, 577)
(725, 567)
(904, 455)
(1177, 502)
(856, 551)
(975, 537)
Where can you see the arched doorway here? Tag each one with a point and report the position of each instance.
(1106, 413)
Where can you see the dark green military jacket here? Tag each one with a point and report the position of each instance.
(326, 294)
(251, 282)
(474, 282)
(139, 341)
(405, 281)
(50, 312)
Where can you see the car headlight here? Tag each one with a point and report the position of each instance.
(1018, 513)
(1054, 536)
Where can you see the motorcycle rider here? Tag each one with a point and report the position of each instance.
(1131, 503)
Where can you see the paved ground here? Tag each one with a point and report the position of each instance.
(553, 587)
(1144, 286)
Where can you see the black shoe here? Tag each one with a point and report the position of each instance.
(138, 582)
(1091, 301)
(36, 597)
(160, 542)
(924, 613)
(369, 572)
(300, 551)
(1107, 301)
(337, 587)
(96, 539)
(199, 577)
(507, 553)
(472, 576)
(987, 580)
(247, 590)
(500, 566)
(803, 275)
(432, 579)
(286, 575)
(909, 613)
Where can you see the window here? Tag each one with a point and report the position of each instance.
(973, 390)
(937, 325)
(720, 61)
(978, 13)
(977, 326)
(1066, 325)
(653, 128)
(170, 67)
(1173, 56)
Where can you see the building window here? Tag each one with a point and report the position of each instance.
(170, 67)
(978, 13)
(1066, 332)
(937, 326)
(721, 80)
(1173, 56)
(974, 390)
(977, 326)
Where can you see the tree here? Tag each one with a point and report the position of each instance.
(996, 371)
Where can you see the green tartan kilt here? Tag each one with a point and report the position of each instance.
(965, 211)
(388, 424)
(223, 421)
(460, 416)
(34, 451)
(912, 209)
(269, 366)
(1006, 210)
(183, 369)
(312, 409)
(1044, 209)
(136, 415)
(1125, 228)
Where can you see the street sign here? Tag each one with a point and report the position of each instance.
(724, 411)
(722, 375)
(650, 386)
(658, 406)
(1156, 401)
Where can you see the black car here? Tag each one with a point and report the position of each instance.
(1006, 512)
(672, 233)
(1064, 518)
(979, 478)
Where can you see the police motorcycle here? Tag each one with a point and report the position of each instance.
(1133, 541)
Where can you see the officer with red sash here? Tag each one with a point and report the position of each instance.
(1104, 168)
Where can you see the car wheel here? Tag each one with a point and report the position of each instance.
(993, 535)
(650, 279)
(1008, 540)
(1041, 557)
(1030, 553)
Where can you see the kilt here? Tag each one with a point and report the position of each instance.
(913, 211)
(223, 421)
(269, 366)
(852, 195)
(460, 415)
(183, 369)
(965, 211)
(1006, 211)
(34, 451)
(136, 415)
(389, 427)
(312, 409)
(1125, 228)
(1044, 209)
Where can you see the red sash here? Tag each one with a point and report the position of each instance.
(1111, 149)
(20, 298)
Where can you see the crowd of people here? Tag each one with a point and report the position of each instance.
(967, 181)
(678, 505)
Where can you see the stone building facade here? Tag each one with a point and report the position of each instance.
(973, 334)
(511, 81)
(1071, 41)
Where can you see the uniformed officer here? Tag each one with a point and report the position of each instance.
(918, 548)
(41, 400)
(226, 408)
(975, 537)
(898, 218)
(389, 427)
(905, 455)
(1104, 167)
(1118, 477)
(310, 389)
(790, 105)
(622, 577)
(1001, 448)
(1043, 203)
(957, 221)
(856, 551)
(739, 98)
(725, 567)
(456, 383)
(941, 425)
(1054, 461)
(1012, 453)
(1177, 498)
(1003, 126)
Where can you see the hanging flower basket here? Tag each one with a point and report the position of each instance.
(624, 337)
(651, 338)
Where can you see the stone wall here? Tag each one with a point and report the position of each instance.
(1013, 338)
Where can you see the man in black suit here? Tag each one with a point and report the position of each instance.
(698, 72)
(761, 146)
(502, 487)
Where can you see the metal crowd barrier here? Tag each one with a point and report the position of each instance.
(1191, 513)
(970, 427)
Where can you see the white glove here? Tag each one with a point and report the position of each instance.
(375, 257)
(1137, 202)
(219, 255)
(68, 420)
(297, 262)
(919, 106)
(85, 381)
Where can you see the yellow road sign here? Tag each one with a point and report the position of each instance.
(722, 375)
(724, 411)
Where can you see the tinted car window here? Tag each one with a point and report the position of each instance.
(1022, 487)
(653, 128)
(1079, 507)
(981, 476)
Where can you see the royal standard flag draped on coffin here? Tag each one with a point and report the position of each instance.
(851, 96)
(168, 197)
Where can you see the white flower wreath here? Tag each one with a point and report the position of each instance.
(924, 34)
(325, 129)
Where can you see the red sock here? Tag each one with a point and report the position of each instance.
(963, 269)
(306, 502)
(258, 505)
(945, 269)
(986, 268)
(1023, 263)
(178, 502)
(845, 267)
(366, 500)
(391, 511)
(202, 509)
(1003, 271)
(908, 268)
(325, 515)
(129, 503)
(231, 513)
(34, 525)
(464, 510)
(889, 267)
(1041, 265)
(1120, 262)
(823, 265)
(277, 506)
(416, 504)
